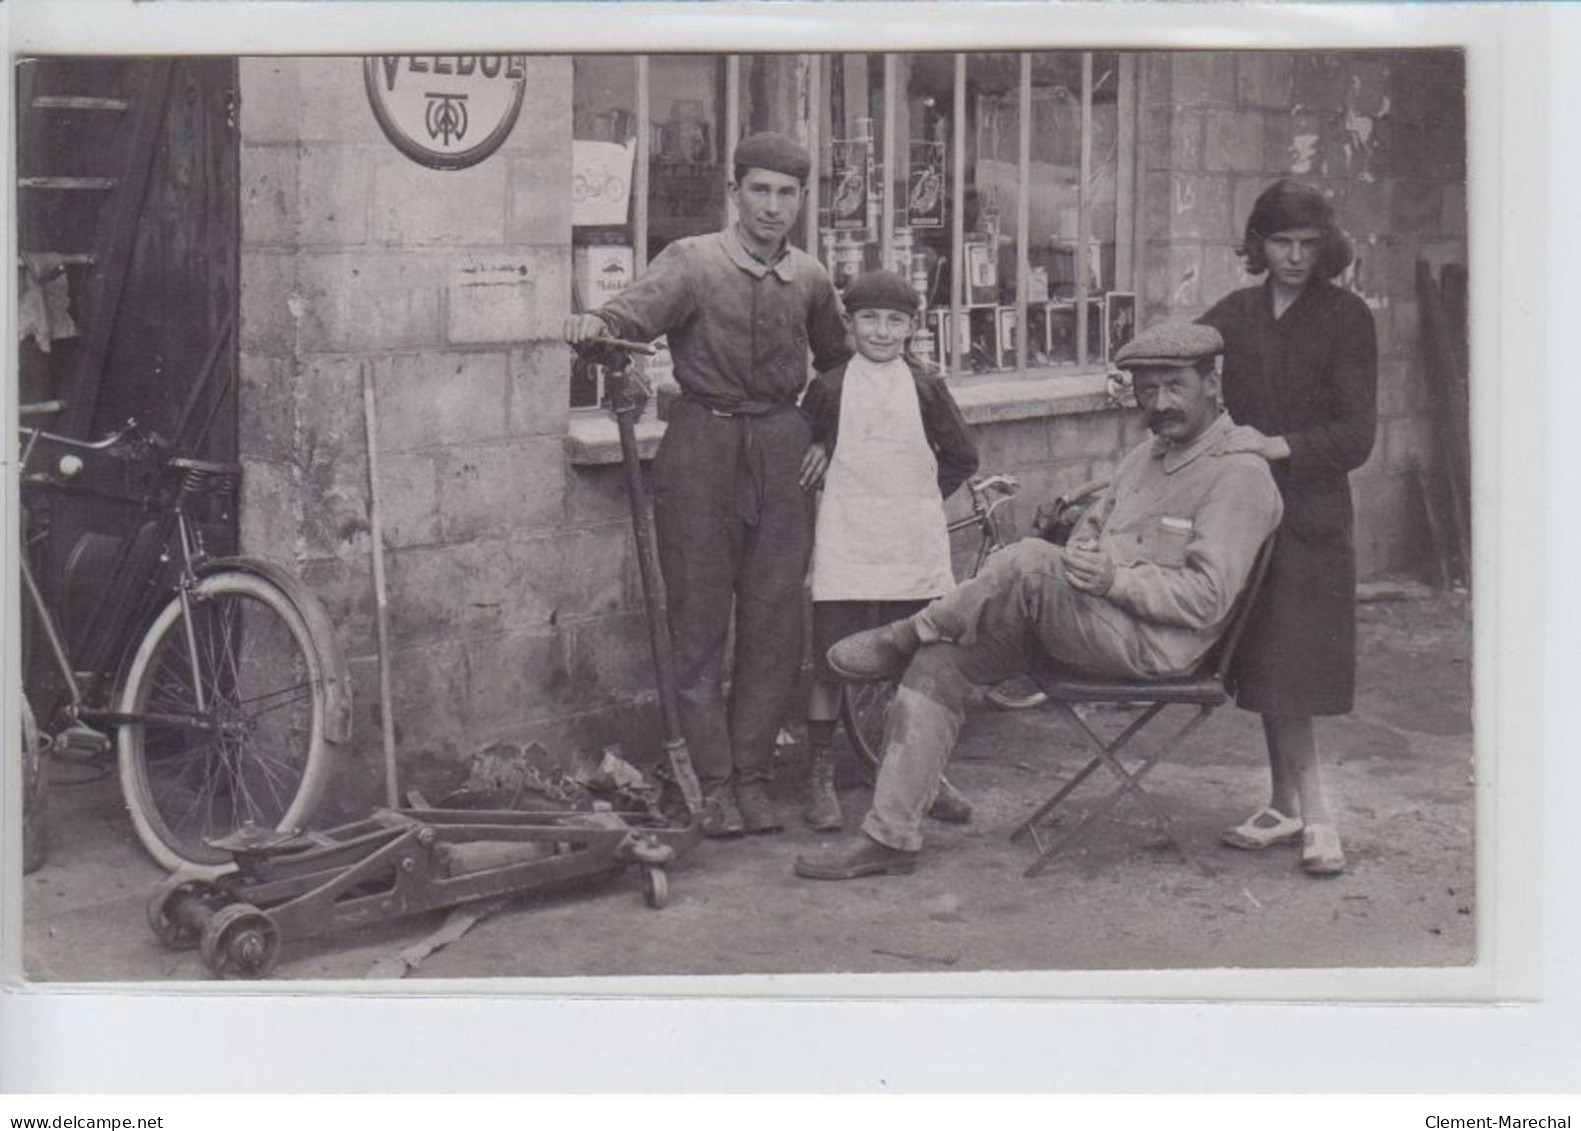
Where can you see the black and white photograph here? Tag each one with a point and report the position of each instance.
(597, 515)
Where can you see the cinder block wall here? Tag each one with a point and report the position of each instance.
(513, 596)
(1384, 136)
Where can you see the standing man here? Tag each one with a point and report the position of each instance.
(741, 308)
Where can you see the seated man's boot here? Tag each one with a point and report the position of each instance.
(720, 817)
(950, 806)
(859, 855)
(822, 808)
(879, 653)
(757, 811)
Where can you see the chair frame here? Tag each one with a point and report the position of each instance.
(1203, 688)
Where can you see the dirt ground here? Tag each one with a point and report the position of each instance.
(1400, 769)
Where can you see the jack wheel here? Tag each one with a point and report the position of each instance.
(175, 931)
(655, 887)
(240, 941)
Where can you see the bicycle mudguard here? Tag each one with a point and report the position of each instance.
(337, 681)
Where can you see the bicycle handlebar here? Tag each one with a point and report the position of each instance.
(105, 444)
(1002, 484)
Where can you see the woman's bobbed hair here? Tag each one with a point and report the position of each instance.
(1285, 206)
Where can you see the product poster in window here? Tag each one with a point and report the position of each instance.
(925, 194)
(848, 203)
(1119, 322)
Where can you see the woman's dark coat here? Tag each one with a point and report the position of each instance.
(1310, 376)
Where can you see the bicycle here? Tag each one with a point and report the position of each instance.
(220, 677)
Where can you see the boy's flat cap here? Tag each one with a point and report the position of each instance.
(880, 290)
(1171, 344)
(775, 152)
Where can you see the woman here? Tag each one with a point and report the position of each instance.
(1300, 377)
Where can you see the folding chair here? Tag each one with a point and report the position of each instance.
(1203, 688)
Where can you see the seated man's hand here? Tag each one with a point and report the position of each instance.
(813, 466)
(1089, 569)
(582, 328)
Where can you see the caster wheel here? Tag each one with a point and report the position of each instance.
(240, 941)
(655, 887)
(175, 931)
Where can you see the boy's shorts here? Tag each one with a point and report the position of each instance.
(835, 620)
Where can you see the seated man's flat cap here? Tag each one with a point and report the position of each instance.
(880, 290)
(1170, 344)
(774, 152)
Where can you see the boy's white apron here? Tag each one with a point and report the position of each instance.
(881, 529)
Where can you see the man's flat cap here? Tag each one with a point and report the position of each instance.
(1170, 344)
(880, 290)
(774, 152)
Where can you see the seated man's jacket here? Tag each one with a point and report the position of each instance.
(1183, 527)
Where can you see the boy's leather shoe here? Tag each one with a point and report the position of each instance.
(860, 855)
(757, 811)
(720, 816)
(878, 653)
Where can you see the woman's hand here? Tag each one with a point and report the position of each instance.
(813, 466)
(1245, 438)
(1089, 569)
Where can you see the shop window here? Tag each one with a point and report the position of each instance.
(1002, 184)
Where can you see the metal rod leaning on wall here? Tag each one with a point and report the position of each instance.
(392, 789)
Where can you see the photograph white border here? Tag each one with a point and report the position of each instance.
(738, 1033)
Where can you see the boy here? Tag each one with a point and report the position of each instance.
(890, 446)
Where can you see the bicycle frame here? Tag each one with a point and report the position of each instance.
(987, 496)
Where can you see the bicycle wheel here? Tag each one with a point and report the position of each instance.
(864, 709)
(33, 795)
(254, 752)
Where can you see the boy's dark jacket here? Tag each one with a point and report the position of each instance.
(942, 422)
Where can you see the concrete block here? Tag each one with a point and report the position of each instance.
(1157, 216)
(1008, 446)
(1444, 146)
(1096, 435)
(1265, 78)
(1391, 531)
(1158, 70)
(335, 514)
(330, 415)
(1319, 80)
(334, 102)
(466, 590)
(1369, 83)
(1367, 207)
(268, 322)
(335, 183)
(596, 571)
(429, 687)
(510, 680)
(1199, 208)
(1415, 207)
(437, 398)
(508, 298)
(266, 407)
(1369, 271)
(539, 196)
(488, 489)
(610, 659)
(1203, 76)
(538, 389)
(345, 589)
(414, 205)
(1222, 272)
(595, 495)
(409, 498)
(1234, 141)
(270, 99)
(1405, 326)
(361, 301)
(270, 511)
(1297, 144)
(1157, 124)
(1399, 149)
(268, 196)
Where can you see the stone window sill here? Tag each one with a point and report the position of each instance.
(592, 441)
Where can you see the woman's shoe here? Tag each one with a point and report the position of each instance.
(1321, 854)
(1263, 829)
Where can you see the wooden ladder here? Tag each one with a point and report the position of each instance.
(118, 190)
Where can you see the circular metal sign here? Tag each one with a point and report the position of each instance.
(446, 111)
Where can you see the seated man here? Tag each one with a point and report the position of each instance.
(1143, 591)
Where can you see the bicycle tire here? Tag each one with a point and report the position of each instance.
(34, 819)
(185, 787)
(864, 711)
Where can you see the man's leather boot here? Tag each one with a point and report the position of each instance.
(822, 808)
(878, 653)
(757, 811)
(720, 816)
(858, 855)
(949, 805)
